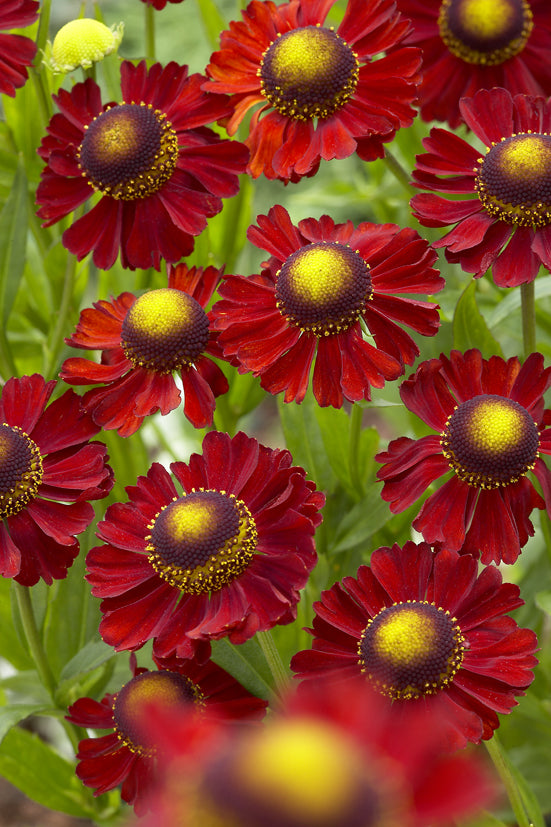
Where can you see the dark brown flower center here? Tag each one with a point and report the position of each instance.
(129, 151)
(20, 470)
(490, 441)
(202, 541)
(169, 690)
(485, 32)
(309, 72)
(411, 649)
(164, 330)
(514, 180)
(323, 288)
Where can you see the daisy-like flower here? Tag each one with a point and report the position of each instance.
(155, 170)
(226, 557)
(478, 44)
(16, 51)
(328, 756)
(426, 629)
(127, 755)
(144, 341)
(491, 429)
(160, 4)
(324, 285)
(505, 220)
(49, 470)
(316, 92)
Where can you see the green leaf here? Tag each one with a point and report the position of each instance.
(88, 672)
(543, 601)
(11, 715)
(362, 521)
(213, 21)
(470, 328)
(246, 663)
(13, 242)
(13, 648)
(305, 442)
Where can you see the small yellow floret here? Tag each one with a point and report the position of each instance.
(83, 42)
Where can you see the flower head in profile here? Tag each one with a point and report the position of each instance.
(225, 556)
(316, 92)
(478, 44)
(425, 629)
(323, 287)
(144, 342)
(127, 755)
(49, 471)
(16, 51)
(152, 168)
(160, 4)
(81, 43)
(491, 428)
(501, 200)
(328, 756)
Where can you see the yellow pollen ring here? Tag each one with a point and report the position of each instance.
(21, 470)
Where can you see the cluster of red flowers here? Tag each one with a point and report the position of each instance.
(417, 654)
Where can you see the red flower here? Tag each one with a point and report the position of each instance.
(226, 558)
(328, 756)
(491, 429)
(159, 4)
(128, 755)
(322, 93)
(322, 284)
(143, 342)
(478, 44)
(157, 182)
(426, 628)
(505, 220)
(16, 52)
(48, 472)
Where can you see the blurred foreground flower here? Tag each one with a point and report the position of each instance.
(324, 285)
(478, 44)
(317, 92)
(505, 220)
(81, 43)
(16, 51)
(144, 341)
(158, 171)
(226, 558)
(48, 472)
(426, 627)
(491, 428)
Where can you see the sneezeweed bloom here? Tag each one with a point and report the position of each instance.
(127, 755)
(425, 629)
(144, 342)
(154, 170)
(16, 51)
(225, 558)
(49, 470)
(160, 4)
(316, 92)
(502, 206)
(491, 429)
(324, 285)
(325, 758)
(478, 44)
(81, 43)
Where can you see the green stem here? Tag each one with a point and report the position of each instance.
(56, 341)
(28, 622)
(397, 170)
(528, 306)
(356, 415)
(7, 363)
(150, 32)
(273, 659)
(505, 771)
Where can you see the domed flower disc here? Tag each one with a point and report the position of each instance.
(514, 180)
(129, 151)
(323, 288)
(164, 330)
(168, 689)
(309, 72)
(485, 32)
(202, 541)
(490, 441)
(20, 470)
(411, 649)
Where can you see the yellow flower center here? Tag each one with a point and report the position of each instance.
(20, 470)
(309, 72)
(490, 441)
(202, 541)
(323, 288)
(169, 690)
(129, 151)
(82, 42)
(164, 330)
(513, 180)
(485, 32)
(411, 649)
